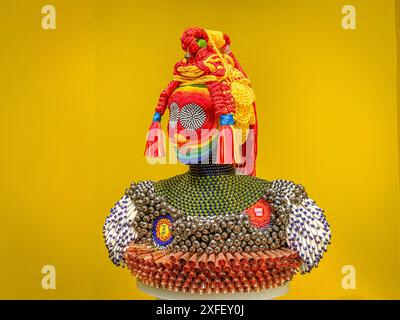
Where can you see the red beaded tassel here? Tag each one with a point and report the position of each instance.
(155, 144)
(226, 145)
(225, 108)
(248, 150)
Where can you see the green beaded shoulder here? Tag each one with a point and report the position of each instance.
(211, 195)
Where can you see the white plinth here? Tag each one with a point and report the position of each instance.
(266, 294)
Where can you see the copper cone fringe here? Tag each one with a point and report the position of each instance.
(211, 273)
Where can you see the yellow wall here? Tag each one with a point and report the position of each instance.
(76, 103)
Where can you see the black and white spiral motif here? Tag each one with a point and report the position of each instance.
(192, 116)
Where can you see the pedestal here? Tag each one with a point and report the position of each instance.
(163, 294)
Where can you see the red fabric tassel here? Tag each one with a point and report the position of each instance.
(225, 146)
(155, 141)
(249, 150)
(255, 128)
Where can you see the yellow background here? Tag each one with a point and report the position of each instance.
(76, 103)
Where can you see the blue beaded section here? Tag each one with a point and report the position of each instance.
(157, 117)
(226, 119)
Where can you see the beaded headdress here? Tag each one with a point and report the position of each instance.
(209, 62)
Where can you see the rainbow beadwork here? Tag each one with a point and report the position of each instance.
(162, 234)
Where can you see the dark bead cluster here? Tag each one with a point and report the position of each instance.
(212, 234)
(282, 190)
(149, 207)
(229, 233)
(202, 170)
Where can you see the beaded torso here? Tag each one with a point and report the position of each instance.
(208, 210)
(260, 231)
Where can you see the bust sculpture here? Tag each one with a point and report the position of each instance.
(216, 229)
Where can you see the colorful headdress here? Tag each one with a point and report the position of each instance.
(209, 61)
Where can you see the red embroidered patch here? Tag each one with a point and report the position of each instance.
(259, 214)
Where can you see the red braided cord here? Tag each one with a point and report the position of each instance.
(164, 96)
(221, 97)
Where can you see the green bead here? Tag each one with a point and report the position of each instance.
(202, 43)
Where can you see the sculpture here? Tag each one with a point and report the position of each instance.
(216, 228)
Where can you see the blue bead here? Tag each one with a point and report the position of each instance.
(226, 119)
(157, 117)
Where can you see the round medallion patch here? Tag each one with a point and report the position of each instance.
(162, 234)
(259, 214)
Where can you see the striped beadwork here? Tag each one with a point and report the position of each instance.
(211, 169)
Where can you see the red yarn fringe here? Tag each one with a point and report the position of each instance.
(226, 145)
(155, 141)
